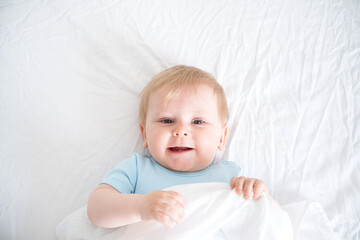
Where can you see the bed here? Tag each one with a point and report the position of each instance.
(71, 73)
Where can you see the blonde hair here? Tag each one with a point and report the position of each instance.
(176, 79)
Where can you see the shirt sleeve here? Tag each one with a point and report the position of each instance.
(239, 170)
(236, 170)
(124, 176)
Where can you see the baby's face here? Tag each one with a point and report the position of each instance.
(185, 133)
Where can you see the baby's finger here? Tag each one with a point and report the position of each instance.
(177, 197)
(259, 187)
(173, 206)
(164, 219)
(248, 188)
(232, 182)
(239, 184)
(174, 214)
(256, 194)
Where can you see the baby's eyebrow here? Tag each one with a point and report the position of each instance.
(162, 115)
(206, 115)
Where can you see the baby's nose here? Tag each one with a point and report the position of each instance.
(180, 131)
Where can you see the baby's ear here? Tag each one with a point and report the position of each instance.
(143, 134)
(222, 142)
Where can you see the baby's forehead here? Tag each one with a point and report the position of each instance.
(199, 101)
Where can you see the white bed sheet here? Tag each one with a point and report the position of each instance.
(71, 73)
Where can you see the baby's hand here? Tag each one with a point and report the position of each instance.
(166, 207)
(247, 186)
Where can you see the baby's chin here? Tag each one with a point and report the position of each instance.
(183, 161)
(187, 167)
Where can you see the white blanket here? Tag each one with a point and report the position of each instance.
(213, 211)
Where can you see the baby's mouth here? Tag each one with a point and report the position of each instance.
(180, 149)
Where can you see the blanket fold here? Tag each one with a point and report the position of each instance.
(213, 211)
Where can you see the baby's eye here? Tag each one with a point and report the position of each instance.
(167, 121)
(198, 122)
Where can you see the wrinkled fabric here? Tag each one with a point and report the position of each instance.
(212, 210)
(71, 73)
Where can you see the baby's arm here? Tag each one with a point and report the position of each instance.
(247, 186)
(108, 208)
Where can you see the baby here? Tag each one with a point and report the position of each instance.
(183, 115)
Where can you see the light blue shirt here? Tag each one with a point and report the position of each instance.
(142, 174)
